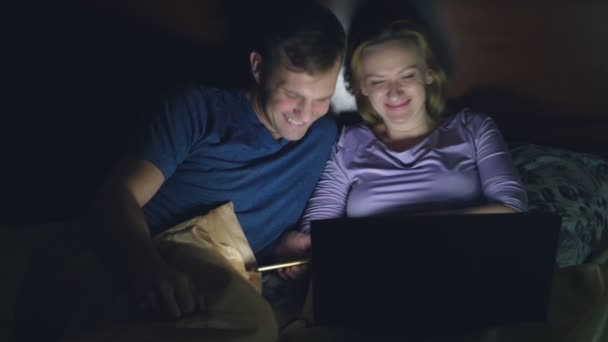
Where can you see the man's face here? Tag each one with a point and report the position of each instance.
(294, 99)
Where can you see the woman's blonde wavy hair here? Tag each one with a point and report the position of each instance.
(409, 33)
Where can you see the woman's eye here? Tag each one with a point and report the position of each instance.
(377, 82)
(408, 76)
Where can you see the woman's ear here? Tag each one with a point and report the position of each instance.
(363, 90)
(255, 63)
(429, 76)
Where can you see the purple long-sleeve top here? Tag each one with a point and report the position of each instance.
(463, 162)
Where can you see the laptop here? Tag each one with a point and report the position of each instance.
(439, 275)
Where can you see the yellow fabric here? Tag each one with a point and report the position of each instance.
(578, 312)
(235, 309)
(219, 230)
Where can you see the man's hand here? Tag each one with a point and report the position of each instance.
(292, 245)
(165, 293)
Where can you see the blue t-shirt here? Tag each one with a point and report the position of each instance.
(212, 148)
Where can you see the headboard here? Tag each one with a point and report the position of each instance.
(539, 68)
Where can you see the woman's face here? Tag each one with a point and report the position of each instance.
(394, 78)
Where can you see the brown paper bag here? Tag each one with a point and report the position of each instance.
(220, 230)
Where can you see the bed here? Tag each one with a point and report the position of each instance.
(538, 69)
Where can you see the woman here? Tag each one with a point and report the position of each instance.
(408, 156)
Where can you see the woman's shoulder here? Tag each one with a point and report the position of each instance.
(466, 117)
(469, 120)
(355, 135)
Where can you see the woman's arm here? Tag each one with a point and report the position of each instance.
(482, 209)
(500, 183)
(327, 201)
(331, 193)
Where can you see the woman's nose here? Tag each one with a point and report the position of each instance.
(394, 89)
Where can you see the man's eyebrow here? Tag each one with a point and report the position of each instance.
(293, 92)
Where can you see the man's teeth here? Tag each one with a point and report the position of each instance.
(294, 122)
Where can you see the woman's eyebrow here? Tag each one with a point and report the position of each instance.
(413, 66)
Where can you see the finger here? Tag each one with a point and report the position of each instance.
(183, 294)
(299, 272)
(199, 299)
(167, 300)
(289, 273)
(201, 302)
(300, 242)
(306, 241)
(293, 272)
(281, 272)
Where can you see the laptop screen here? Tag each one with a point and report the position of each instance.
(446, 274)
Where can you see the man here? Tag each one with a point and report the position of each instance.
(263, 149)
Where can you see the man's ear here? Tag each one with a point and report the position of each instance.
(255, 62)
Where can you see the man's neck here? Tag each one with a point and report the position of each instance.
(254, 98)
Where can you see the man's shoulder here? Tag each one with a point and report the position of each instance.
(325, 128)
(213, 106)
(326, 123)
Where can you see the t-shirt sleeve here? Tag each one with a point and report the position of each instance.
(500, 181)
(167, 140)
(329, 197)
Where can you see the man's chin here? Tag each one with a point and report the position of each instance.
(293, 136)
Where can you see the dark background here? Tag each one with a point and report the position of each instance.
(77, 77)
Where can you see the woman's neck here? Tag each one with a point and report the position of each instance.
(402, 138)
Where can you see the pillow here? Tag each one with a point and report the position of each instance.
(574, 185)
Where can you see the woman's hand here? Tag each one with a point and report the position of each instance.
(293, 245)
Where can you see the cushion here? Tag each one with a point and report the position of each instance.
(572, 184)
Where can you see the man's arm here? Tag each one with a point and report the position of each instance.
(328, 200)
(122, 238)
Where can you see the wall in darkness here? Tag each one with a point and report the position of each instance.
(538, 66)
(78, 76)
(77, 79)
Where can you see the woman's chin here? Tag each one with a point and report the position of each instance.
(398, 119)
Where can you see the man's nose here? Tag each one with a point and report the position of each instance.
(304, 110)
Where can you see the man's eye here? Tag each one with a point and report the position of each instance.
(291, 95)
(377, 82)
(408, 76)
